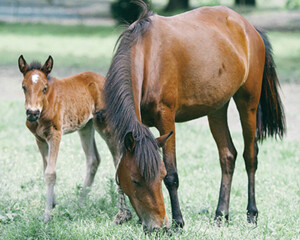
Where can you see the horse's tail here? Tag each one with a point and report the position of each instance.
(270, 114)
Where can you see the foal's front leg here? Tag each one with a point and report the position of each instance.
(50, 173)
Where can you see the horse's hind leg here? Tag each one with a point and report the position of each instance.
(227, 154)
(247, 110)
(92, 157)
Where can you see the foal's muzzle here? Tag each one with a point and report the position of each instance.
(33, 116)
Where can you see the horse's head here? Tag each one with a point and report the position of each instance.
(35, 84)
(145, 194)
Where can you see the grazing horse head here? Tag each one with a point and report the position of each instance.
(143, 188)
(141, 170)
(35, 85)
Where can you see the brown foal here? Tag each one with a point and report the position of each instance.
(59, 106)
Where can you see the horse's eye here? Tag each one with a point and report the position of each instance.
(136, 183)
(44, 89)
(24, 88)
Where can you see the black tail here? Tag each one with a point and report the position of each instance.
(270, 114)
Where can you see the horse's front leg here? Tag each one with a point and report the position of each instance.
(166, 124)
(44, 150)
(50, 173)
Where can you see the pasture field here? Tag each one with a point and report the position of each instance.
(22, 187)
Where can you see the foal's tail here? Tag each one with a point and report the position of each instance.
(270, 114)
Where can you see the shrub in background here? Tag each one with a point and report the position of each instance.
(126, 11)
(293, 4)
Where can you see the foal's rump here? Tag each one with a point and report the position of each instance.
(204, 57)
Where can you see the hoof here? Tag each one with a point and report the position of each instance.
(219, 219)
(46, 218)
(55, 203)
(252, 217)
(123, 216)
(178, 223)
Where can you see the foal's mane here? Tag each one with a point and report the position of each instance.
(118, 93)
(34, 65)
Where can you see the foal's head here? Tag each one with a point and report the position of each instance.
(35, 85)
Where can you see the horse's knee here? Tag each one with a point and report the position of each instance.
(50, 176)
(93, 165)
(171, 180)
(228, 162)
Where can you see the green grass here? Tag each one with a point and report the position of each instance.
(22, 188)
(286, 49)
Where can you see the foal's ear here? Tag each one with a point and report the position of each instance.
(161, 141)
(48, 66)
(129, 142)
(23, 66)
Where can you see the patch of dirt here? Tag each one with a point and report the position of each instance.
(11, 78)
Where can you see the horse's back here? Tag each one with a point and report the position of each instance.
(204, 55)
(80, 96)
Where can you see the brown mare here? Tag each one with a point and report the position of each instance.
(59, 106)
(175, 69)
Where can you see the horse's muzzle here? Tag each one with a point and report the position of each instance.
(33, 116)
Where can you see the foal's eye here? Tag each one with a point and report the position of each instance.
(24, 88)
(44, 89)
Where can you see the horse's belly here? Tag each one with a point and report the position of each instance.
(187, 113)
(191, 110)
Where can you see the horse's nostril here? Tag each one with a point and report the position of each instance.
(36, 113)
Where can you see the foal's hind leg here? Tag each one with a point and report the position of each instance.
(247, 110)
(92, 157)
(227, 154)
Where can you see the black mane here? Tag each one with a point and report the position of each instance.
(120, 110)
(34, 65)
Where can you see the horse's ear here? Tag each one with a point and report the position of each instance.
(48, 66)
(161, 141)
(23, 66)
(129, 142)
